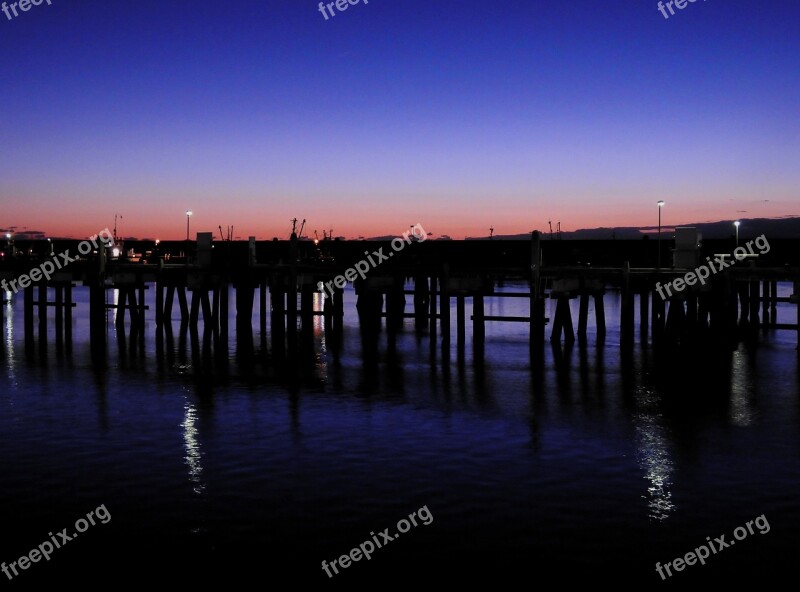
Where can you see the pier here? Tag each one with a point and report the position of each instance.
(420, 283)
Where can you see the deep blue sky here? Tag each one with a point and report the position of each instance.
(455, 114)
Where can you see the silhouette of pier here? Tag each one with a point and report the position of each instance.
(741, 301)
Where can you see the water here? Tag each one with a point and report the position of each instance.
(583, 466)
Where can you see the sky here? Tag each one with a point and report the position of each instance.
(455, 114)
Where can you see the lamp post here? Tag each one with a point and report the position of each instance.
(188, 215)
(736, 225)
(660, 205)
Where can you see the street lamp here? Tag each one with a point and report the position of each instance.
(188, 215)
(736, 224)
(660, 205)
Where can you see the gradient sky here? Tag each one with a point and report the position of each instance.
(459, 115)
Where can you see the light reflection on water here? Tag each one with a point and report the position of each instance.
(10, 354)
(654, 454)
(742, 388)
(193, 452)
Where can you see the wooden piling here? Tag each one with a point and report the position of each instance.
(68, 314)
(600, 314)
(644, 313)
(692, 323)
(536, 297)
(583, 315)
(754, 303)
(183, 303)
(742, 302)
(433, 308)
(97, 316)
(223, 314)
(159, 305)
(562, 323)
(215, 312)
(444, 305)
(730, 303)
(774, 304)
(657, 320)
(627, 306)
(421, 301)
(195, 313)
(278, 298)
(168, 300)
(396, 304)
(676, 318)
(208, 316)
(478, 320)
(42, 313)
(461, 334)
(132, 307)
(122, 296)
(291, 295)
(141, 310)
(59, 290)
(307, 314)
(245, 296)
(338, 309)
(797, 295)
(262, 308)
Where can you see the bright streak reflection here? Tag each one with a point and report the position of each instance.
(193, 453)
(741, 409)
(10, 353)
(115, 295)
(654, 457)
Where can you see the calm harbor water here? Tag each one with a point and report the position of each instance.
(585, 464)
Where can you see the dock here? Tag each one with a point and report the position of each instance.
(420, 283)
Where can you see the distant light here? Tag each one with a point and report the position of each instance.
(189, 212)
(737, 223)
(115, 252)
(8, 235)
(660, 203)
(157, 241)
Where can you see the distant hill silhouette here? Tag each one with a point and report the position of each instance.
(788, 227)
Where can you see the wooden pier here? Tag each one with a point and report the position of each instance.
(739, 302)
